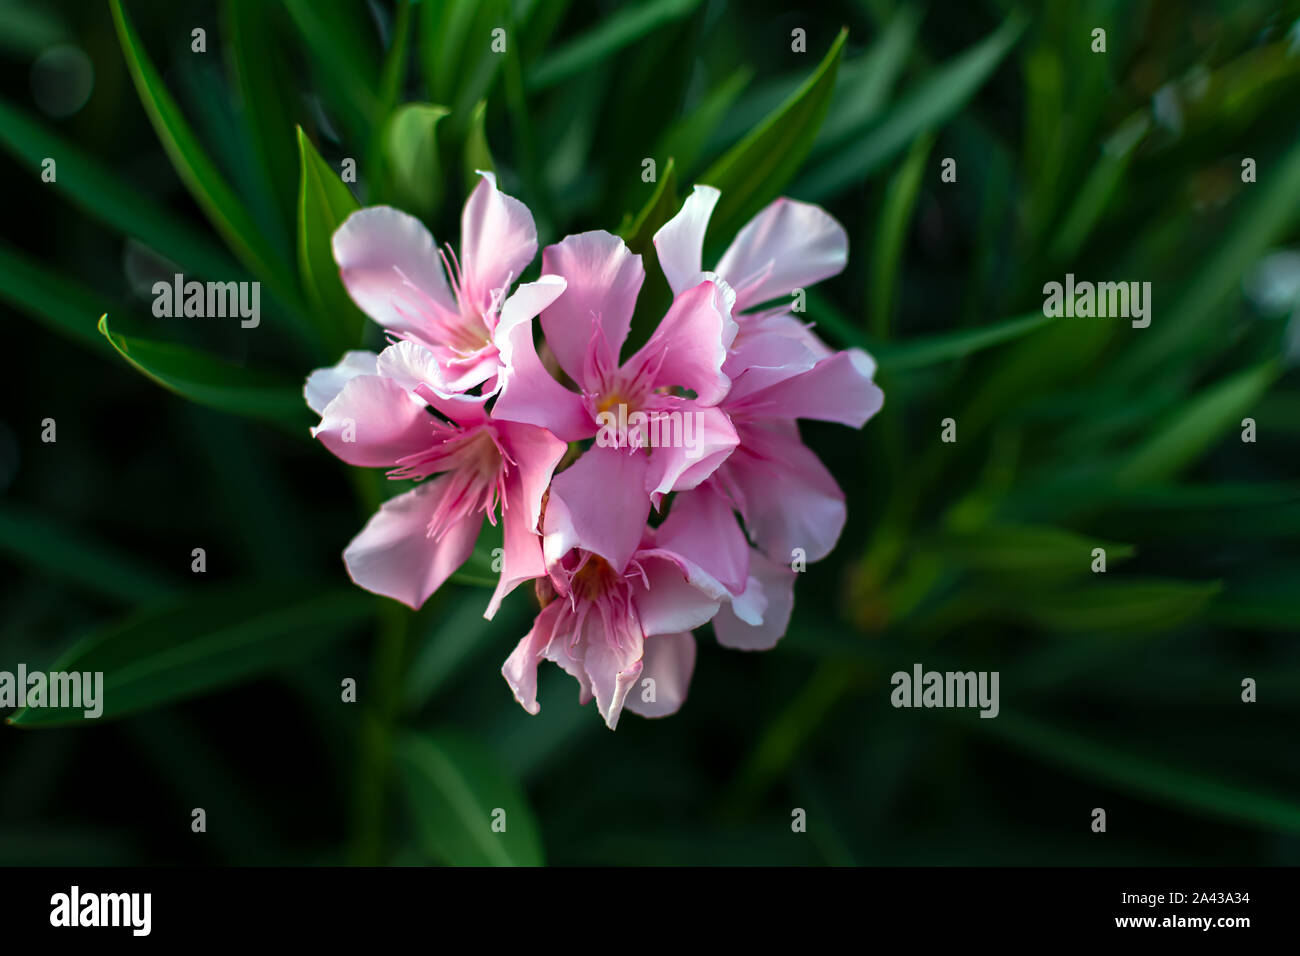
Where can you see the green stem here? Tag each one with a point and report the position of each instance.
(381, 707)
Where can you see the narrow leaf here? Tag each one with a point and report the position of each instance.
(457, 792)
(755, 170)
(622, 28)
(196, 170)
(201, 643)
(323, 203)
(208, 381)
(928, 106)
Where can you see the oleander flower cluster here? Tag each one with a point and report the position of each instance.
(644, 492)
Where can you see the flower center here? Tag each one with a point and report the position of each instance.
(593, 578)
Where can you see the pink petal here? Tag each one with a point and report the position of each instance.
(324, 384)
(603, 279)
(599, 504)
(689, 347)
(672, 602)
(498, 240)
(394, 554)
(373, 422)
(390, 266)
(529, 393)
(535, 453)
(613, 671)
(787, 497)
(775, 583)
(677, 468)
(788, 245)
(669, 659)
(679, 243)
(836, 389)
(520, 668)
(702, 528)
(760, 359)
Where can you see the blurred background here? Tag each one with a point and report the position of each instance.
(1120, 691)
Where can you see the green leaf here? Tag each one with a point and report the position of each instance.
(39, 544)
(620, 29)
(1147, 777)
(323, 203)
(477, 570)
(457, 636)
(196, 170)
(1024, 550)
(865, 82)
(930, 104)
(111, 200)
(755, 170)
(54, 300)
(1138, 605)
(266, 99)
(685, 141)
(1099, 187)
(1194, 428)
(208, 381)
(477, 155)
(933, 349)
(411, 158)
(346, 66)
(891, 234)
(456, 792)
(460, 66)
(204, 642)
(638, 230)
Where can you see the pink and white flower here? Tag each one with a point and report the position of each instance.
(394, 271)
(678, 371)
(398, 418)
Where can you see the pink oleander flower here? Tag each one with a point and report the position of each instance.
(462, 402)
(394, 271)
(780, 371)
(678, 372)
(788, 245)
(612, 618)
(390, 412)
